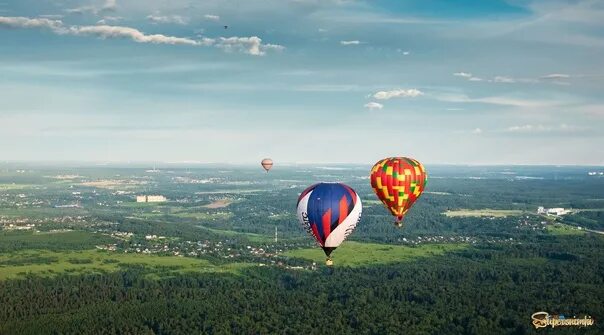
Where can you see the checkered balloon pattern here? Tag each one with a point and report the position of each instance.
(398, 182)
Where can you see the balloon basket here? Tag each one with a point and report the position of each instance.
(398, 224)
(329, 262)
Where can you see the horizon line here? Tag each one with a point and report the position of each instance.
(158, 164)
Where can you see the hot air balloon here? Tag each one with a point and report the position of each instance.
(329, 212)
(267, 164)
(398, 182)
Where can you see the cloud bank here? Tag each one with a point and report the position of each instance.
(400, 93)
(250, 45)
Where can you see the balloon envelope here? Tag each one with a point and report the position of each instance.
(398, 182)
(267, 164)
(329, 212)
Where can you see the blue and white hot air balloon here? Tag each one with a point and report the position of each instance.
(329, 212)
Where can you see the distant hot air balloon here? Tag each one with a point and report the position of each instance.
(329, 212)
(398, 182)
(267, 164)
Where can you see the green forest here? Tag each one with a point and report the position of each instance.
(482, 290)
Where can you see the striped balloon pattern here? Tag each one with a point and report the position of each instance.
(398, 182)
(267, 164)
(329, 212)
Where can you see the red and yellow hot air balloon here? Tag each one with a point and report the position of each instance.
(267, 164)
(398, 182)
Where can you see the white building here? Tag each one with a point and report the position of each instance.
(557, 211)
(150, 198)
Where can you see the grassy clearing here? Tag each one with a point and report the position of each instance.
(231, 191)
(498, 213)
(50, 263)
(142, 204)
(564, 229)
(204, 216)
(579, 210)
(364, 254)
(158, 210)
(113, 184)
(219, 204)
(41, 213)
(8, 187)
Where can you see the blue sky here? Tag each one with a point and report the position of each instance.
(325, 81)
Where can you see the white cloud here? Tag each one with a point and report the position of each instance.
(251, 45)
(52, 16)
(373, 106)
(507, 101)
(105, 20)
(497, 100)
(510, 80)
(110, 5)
(385, 95)
(463, 74)
(211, 17)
(355, 42)
(177, 19)
(107, 6)
(82, 10)
(477, 131)
(555, 76)
(594, 110)
(467, 76)
(104, 31)
(503, 79)
(539, 128)
(24, 22)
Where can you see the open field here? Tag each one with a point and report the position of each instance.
(203, 216)
(135, 204)
(112, 184)
(219, 203)
(498, 213)
(49, 263)
(579, 210)
(232, 191)
(183, 215)
(564, 229)
(7, 187)
(41, 212)
(364, 254)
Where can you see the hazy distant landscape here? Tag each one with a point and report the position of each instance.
(75, 244)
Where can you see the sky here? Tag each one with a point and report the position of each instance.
(302, 81)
